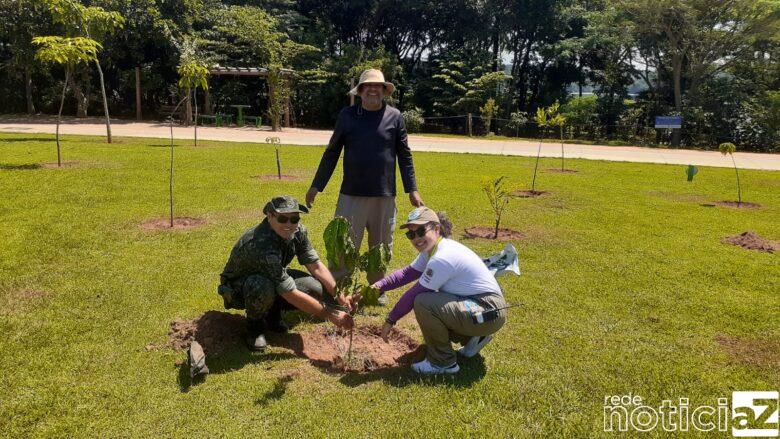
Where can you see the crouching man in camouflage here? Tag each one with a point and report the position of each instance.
(256, 277)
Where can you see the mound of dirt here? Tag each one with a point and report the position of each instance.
(529, 194)
(757, 352)
(490, 233)
(216, 331)
(751, 241)
(275, 177)
(179, 223)
(742, 205)
(562, 171)
(327, 348)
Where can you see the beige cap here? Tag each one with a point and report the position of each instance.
(421, 215)
(373, 76)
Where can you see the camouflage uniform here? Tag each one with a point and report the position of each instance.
(256, 273)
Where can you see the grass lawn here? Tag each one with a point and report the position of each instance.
(626, 287)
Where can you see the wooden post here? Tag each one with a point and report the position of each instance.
(207, 104)
(137, 93)
(287, 106)
(469, 125)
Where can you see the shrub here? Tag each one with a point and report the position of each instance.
(413, 119)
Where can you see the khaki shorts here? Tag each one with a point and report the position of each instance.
(375, 214)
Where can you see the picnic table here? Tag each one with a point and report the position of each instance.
(240, 118)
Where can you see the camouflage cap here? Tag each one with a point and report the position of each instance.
(284, 204)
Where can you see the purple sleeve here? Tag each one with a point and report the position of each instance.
(398, 278)
(406, 302)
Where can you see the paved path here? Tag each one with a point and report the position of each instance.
(299, 136)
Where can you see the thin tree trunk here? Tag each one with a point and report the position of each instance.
(677, 79)
(496, 233)
(28, 91)
(195, 96)
(170, 179)
(562, 168)
(536, 166)
(138, 93)
(59, 117)
(739, 188)
(105, 100)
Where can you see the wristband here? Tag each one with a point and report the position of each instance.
(390, 321)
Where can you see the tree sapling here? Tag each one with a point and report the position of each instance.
(729, 148)
(275, 142)
(499, 199)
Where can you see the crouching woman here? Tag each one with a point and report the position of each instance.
(457, 299)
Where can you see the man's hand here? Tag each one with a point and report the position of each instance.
(311, 194)
(346, 303)
(341, 319)
(386, 328)
(414, 198)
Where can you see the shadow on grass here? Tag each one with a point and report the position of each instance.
(471, 371)
(276, 393)
(23, 139)
(22, 167)
(229, 361)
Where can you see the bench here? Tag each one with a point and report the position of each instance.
(215, 119)
(257, 120)
(166, 110)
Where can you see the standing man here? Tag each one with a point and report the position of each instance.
(373, 136)
(256, 277)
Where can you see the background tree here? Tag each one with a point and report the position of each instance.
(68, 53)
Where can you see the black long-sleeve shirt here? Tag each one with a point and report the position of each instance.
(372, 141)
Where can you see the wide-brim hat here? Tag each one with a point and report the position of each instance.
(421, 215)
(373, 76)
(284, 204)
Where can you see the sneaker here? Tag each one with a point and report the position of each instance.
(256, 343)
(474, 346)
(425, 367)
(382, 300)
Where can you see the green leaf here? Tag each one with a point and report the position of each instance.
(690, 171)
(376, 259)
(341, 253)
(370, 295)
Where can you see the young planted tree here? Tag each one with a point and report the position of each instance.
(499, 199)
(92, 23)
(541, 123)
(68, 53)
(556, 119)
(274, 141)
(729, 148)
(342, 256)
(193, 73)
(489, 111)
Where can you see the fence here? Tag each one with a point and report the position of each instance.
(473, 125)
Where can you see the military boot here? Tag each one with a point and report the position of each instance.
(273, 320)
(255, 339)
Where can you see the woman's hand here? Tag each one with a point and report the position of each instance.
(386, 328)
(341, 319)
(343, 301)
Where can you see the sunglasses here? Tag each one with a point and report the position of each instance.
(283, 219)
(418, 233)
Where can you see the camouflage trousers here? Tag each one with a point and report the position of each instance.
(257, 294)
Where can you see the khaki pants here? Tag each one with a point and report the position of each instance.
(443, 318)
(375, 214)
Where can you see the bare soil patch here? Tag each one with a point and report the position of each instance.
(751, 241)
(738, 205)
(529, 194)
(179, 223)
(562, 171)
(324, 346)
(73, 164)
(21, 300)
(327, 347)
(489, 233)
(756, 352)
(275, 177)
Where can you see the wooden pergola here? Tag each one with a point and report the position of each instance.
(259, 72)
